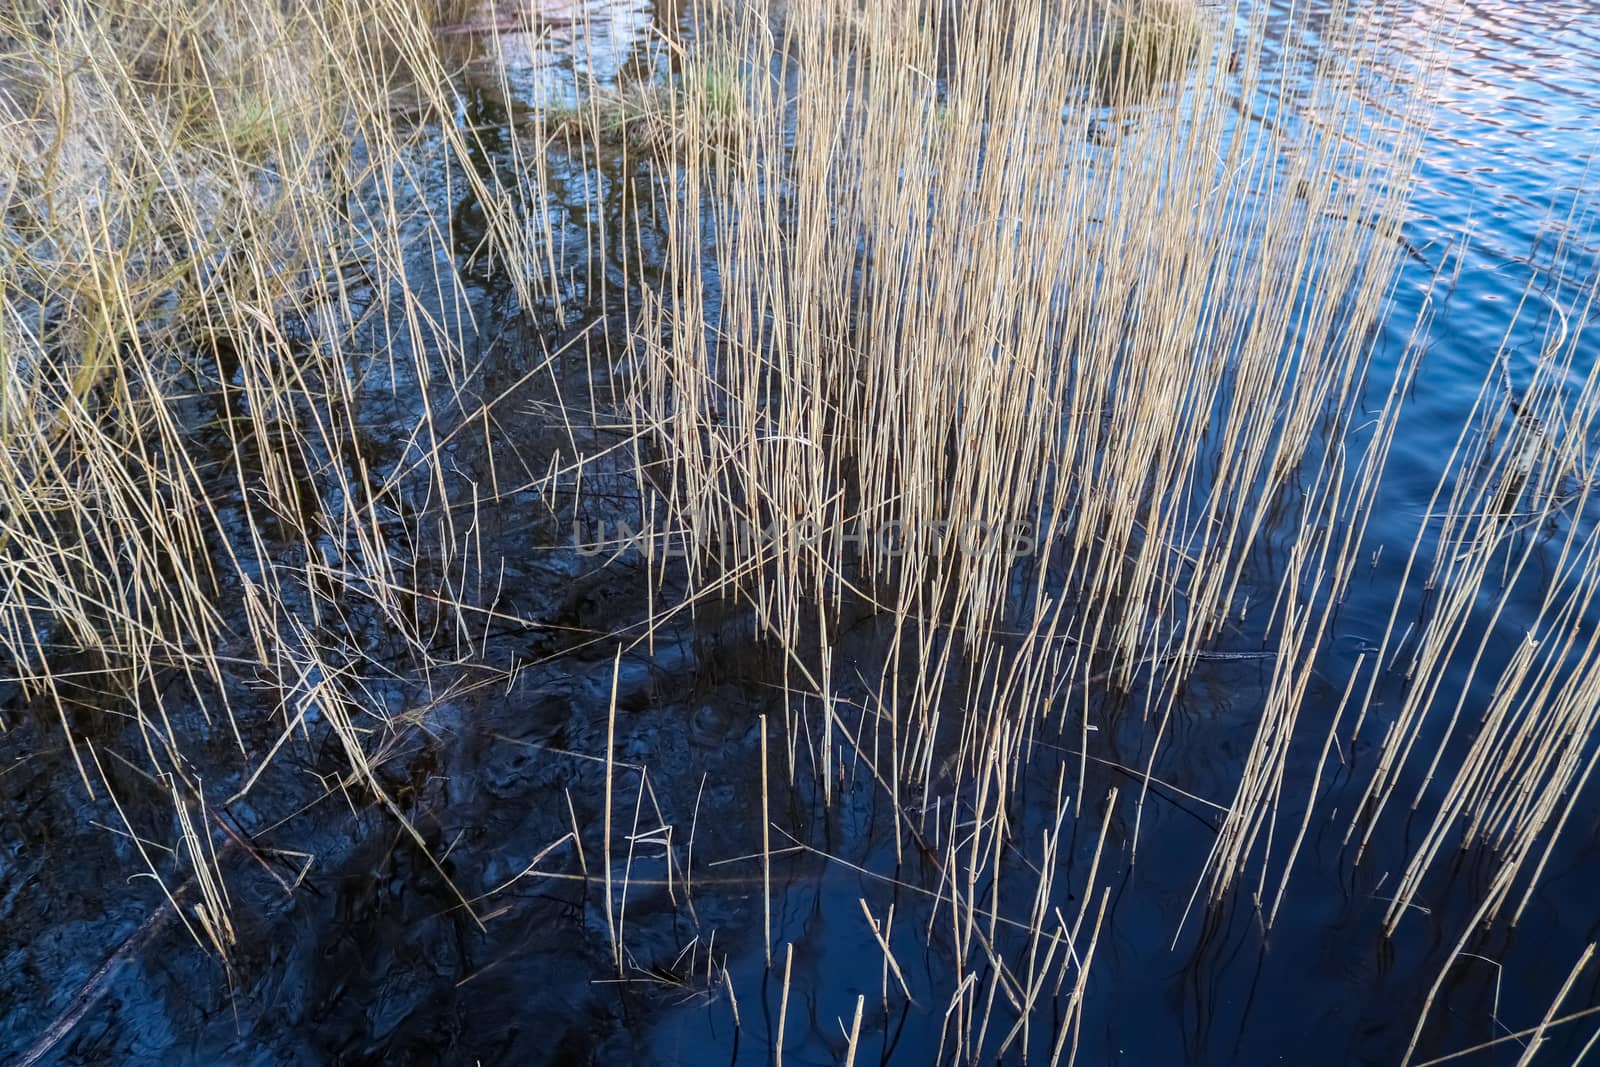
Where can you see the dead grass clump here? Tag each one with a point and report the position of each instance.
(632, 114)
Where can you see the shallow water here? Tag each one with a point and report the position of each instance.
(370, 960)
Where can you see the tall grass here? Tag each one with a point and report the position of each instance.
(213, 220)
(1035, 273)
(941, 302)
(1021, 332)
(945, 302)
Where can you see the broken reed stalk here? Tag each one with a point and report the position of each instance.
(627, 867)
(766, 853)
(1538, 1041)
(855, 1031)
(783, 1006)
(1518, 1035)
(733, 999)
(577, 836)
(95, 987)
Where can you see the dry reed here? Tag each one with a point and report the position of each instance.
(1022, 339)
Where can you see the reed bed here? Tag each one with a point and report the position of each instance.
(914, 323)
(1032, 276)
(1024, 337)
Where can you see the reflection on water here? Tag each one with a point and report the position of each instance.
(1511, 150)
(570, 46)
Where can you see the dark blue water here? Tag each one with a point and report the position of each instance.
(370, 961)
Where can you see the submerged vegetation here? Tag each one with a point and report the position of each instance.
(883, 273)
(641, 114)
